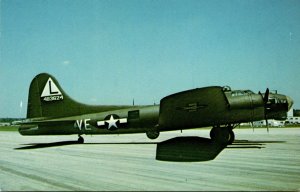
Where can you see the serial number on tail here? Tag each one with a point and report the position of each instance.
(54, 98)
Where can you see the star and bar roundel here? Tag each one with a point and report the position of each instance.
(112, 122)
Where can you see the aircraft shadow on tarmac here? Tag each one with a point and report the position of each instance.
(189, 149)
(46, 145)
(62, 143)
(179, 149)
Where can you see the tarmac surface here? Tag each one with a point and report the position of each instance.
(257, 161)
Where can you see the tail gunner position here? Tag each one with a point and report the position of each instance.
(52, 112)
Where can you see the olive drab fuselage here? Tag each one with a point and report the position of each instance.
(52, 112)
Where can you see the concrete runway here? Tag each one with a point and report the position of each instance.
(257, 161)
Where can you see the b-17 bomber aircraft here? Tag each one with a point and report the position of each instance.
(51, 111)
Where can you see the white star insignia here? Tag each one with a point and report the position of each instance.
(112, 122)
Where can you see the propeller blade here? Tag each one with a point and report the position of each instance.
(266, 96)
(267, 125)
(266, 100)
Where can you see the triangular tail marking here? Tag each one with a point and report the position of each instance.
(51, 91)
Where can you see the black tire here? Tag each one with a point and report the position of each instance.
(222, 135)
(212, 133)
(80, 139)
(152, 134)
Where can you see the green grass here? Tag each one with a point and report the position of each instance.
(8, 128)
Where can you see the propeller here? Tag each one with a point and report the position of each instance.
(266, 107)
(266, 96)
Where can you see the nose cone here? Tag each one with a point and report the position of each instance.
(290, 102)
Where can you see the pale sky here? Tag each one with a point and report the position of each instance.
(114, 51)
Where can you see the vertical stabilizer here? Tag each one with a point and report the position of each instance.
(47, 99)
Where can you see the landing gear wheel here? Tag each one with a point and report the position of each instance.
(212, 133)
(152, 134)
(219, 135)
(80, 139)
(223, 135)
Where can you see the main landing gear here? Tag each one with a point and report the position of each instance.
(80, 139)
(223, 135)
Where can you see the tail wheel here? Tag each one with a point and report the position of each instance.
(80, 139)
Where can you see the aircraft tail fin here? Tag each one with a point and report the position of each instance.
(47, 99)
